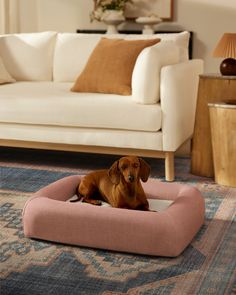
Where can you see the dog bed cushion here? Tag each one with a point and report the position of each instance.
(47, 215)
(154, 204)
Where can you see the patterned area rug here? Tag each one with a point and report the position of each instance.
(27, 266)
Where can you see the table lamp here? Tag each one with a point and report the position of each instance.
(226, 47)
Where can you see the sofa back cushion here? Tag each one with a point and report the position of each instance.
(110, 66)
(181, 40)
(29, 56)
(73, 50)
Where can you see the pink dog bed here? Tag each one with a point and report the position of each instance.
(48, 216)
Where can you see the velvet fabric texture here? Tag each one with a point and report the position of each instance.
(110, 66)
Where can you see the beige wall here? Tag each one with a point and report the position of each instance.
(208, 19)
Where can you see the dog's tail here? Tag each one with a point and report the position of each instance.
(79, 196)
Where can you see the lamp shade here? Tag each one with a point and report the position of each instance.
(226, 47)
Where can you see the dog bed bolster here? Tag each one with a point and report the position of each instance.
(49, 216)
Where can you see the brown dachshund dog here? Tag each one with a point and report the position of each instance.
(119, 186)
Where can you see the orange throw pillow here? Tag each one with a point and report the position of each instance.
(110, 66)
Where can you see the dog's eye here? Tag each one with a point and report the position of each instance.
(123, 167)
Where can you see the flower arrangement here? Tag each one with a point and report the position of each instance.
(102, 6)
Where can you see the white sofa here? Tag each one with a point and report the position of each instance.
(38, 110)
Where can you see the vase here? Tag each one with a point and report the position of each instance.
(112, 18)
(148, 23)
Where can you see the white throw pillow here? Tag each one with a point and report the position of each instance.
(5, 77)
(146, 73)
(29, 56)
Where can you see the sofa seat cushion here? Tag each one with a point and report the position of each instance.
(52, 103)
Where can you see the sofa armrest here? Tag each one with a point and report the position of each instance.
(179, 86)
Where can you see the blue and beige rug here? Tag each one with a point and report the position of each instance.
(27, 266)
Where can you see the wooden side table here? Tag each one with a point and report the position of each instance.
(223, 137)
(212, 88)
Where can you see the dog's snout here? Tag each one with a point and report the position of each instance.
(131, 178)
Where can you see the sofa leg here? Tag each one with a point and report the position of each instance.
(169, 166)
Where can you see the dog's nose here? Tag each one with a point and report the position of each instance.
(131, 178)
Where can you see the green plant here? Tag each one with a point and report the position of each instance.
(100, 6)
(113, 4)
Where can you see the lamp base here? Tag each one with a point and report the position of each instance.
(228, 67)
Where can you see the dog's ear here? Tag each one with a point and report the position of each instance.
(114, 173)
(144, 170)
